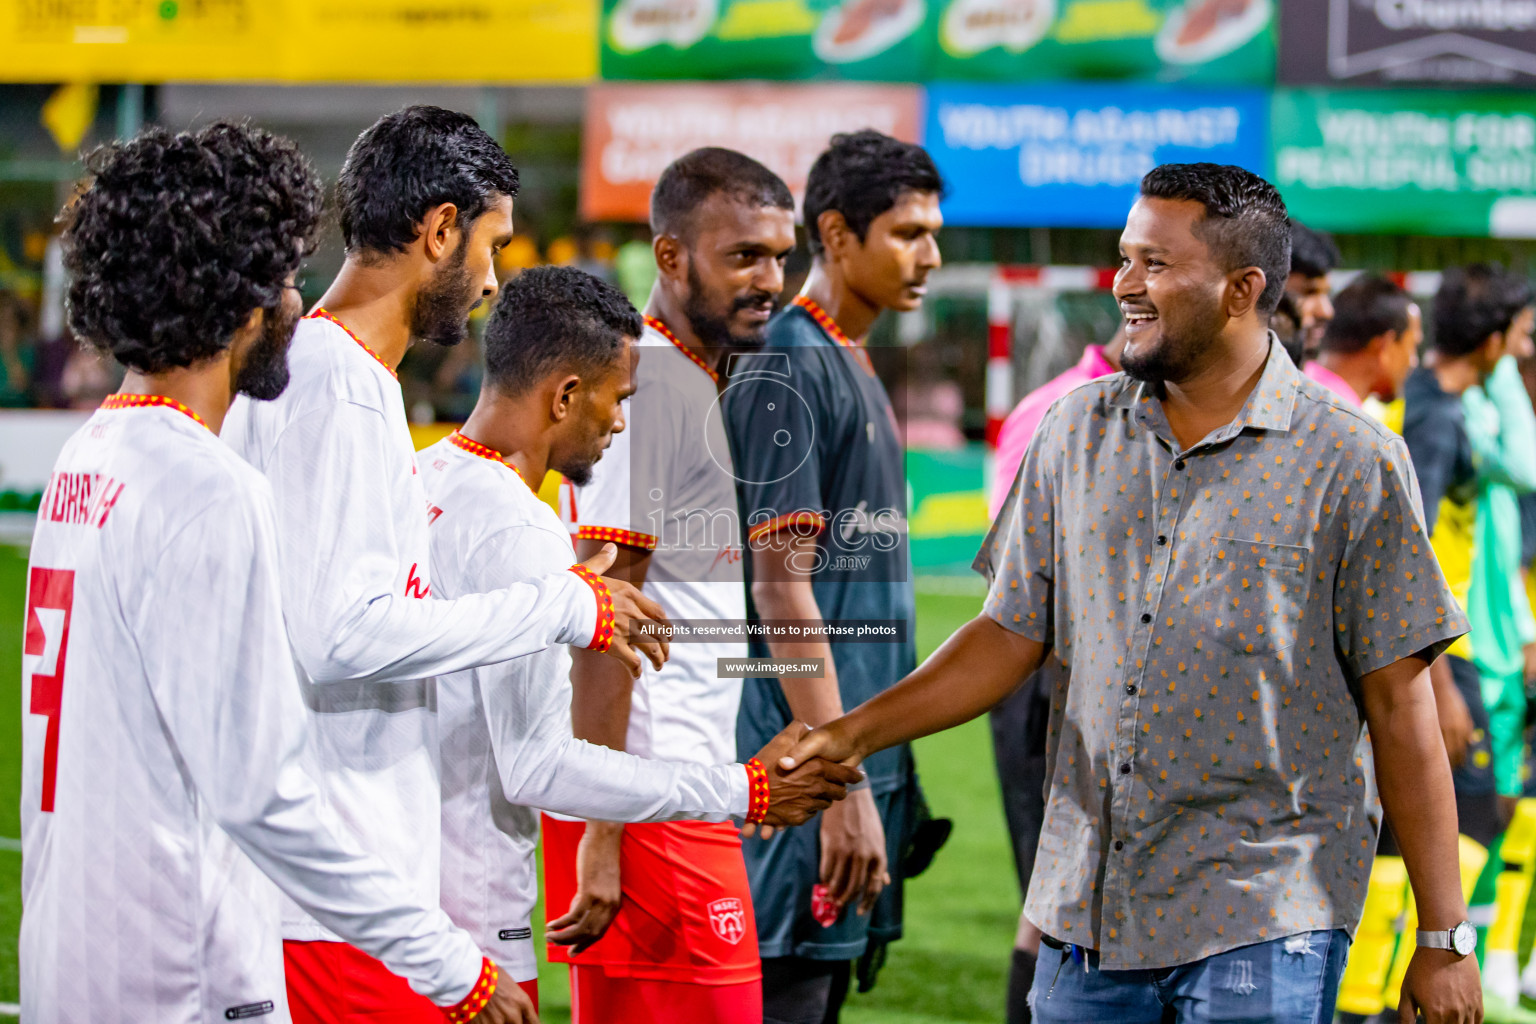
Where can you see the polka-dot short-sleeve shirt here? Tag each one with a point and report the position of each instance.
(1215, 608)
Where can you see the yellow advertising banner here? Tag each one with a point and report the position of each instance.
(490, 41)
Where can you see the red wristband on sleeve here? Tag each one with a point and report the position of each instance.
(470, 1006)
(757, 788)
(602, 636)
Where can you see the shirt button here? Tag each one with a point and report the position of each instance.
(1130, 688)
(1125, 769)
(1146, 617)
(1119, 845)
(1161, 539)
(1179, 465)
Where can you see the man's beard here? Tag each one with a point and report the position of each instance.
(579, 473)
(714, 330)
(578, 468)
(443, 305)
(1178, 352)
(265, 372)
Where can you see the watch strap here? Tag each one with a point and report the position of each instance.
(1440, 939)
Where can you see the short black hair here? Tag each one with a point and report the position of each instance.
(1474, 303)
(1370, 307)
(1245, 223)
(712, 170)
(406, 163)
(1313, 253)
(861, 175)
(177, 238)
(555, 318)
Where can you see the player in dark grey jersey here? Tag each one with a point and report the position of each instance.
(819, 463)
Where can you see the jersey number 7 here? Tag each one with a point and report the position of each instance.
(50, 601)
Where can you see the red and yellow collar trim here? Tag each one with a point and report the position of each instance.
(323, 314)
(825, 322)
(662, 329)
(125, 401)
(458, 440)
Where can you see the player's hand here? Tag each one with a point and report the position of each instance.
(1442, 988)
(598, 894)
(796, 795)
(509, 1005)
(629, 606)
(1455, 723)
(833, 741)
(853, 864)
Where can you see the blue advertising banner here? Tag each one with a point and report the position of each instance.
(1072, 155)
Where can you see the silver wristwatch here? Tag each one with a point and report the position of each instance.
(1462, 939)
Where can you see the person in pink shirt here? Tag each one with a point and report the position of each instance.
(1371, 344)
(1019, 427)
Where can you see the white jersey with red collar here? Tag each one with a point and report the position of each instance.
(505, 729)
(165, 781)
(356, 578)
(667, 484)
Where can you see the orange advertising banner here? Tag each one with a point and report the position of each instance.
(633, 131)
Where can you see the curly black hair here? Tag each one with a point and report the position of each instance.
(1245, 222)
(861, 175)
(554, 318)
(178, 238)
(406, 163)
(1474, 303)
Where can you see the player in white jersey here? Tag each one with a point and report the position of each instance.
(559, 360)
(165, 778)
(426, 200)
(684, 939)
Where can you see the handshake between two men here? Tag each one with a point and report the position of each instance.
(794, 796)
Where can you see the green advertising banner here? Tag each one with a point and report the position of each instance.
(1230, 41)
(1436, 163)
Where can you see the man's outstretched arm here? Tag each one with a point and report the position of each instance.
(973, 670)
(1413, 775)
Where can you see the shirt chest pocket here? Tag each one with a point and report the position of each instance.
(1254, 595)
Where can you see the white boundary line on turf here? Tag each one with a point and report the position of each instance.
(14, 845)
(10, 1009)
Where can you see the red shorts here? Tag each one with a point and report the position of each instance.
(687, 910)
(598, 997)
(334, 983)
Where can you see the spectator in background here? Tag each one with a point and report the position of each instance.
(15, 357)
(1371, 344)
(1502, 429)
(1019, 427)
(1480, 314)
(1313, 257)
(1285, 324)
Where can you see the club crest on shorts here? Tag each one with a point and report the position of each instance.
(728, 918)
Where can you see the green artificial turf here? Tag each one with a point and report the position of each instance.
(950, 967)
(13, 595)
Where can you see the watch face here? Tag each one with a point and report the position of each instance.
(1464, 939)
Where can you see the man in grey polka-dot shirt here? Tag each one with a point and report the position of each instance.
(1230, 563)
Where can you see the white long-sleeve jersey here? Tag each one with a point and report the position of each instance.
(165, 781)
(667, 484)
(506, 729)
(352, 542)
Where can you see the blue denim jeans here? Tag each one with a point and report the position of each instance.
(1294, 980)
